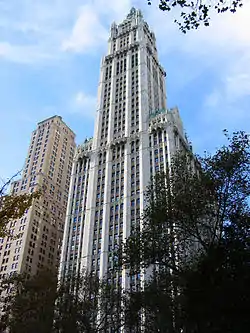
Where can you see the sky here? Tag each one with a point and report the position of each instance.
(50, 53)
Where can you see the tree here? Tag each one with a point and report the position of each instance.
(151, 308)
(80, 303)
(195, 13)
(86, 304)
(28, 302)
(194, 243)
(13, 206)
(216, 291)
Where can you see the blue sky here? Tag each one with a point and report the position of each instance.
(50, 54)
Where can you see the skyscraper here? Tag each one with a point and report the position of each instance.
(135, 136)
(38, 234)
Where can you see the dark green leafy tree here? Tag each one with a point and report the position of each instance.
(28, 302)
(151, 308)
(195, 13)
(38, 303)
(216, 290)
(87, 304)
(194, 243)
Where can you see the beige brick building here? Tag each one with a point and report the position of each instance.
(38, 234)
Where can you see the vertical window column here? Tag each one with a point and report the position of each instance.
(111, 110)
(106, 215)
(126, 205)
(128, 96)
(160, 93)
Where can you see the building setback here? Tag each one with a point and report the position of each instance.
(38, 234)
(135, 136)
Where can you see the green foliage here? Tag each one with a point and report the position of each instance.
(216, 291)
(87, 304)
(152, 308)
(195, 244)
(13, 206)
(82, 303)
(28, 302)
(193, 14)
(76, 304)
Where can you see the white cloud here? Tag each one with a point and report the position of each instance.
(91, 29)
(88, 32)
(23, 54)
(227, 32)
(112, 9)
(212, 100)
(227, 35)
(222, 50)
(230, 46)
(219, 54)
(51, 27)
(62, 25)
(237, 86)
(31, 31)
(84, 104)
(237, 82)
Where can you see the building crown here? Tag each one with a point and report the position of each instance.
(133, 13)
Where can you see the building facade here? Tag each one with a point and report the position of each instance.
(37, 236)
(135, 136)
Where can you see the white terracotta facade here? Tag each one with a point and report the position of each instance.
(134, 137)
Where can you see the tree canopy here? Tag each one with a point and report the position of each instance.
(78, 304)
(194, 244)
(28, 302)
(13, 206)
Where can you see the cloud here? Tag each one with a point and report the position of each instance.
(91, 28)
(216, 45)
(43, 31)
(84, 104)
(88, 32)
(237, 82)
(222, 50)
(237, 86)
(212, 65)
(227, 31)
(113, 9)
(212, 100)
(228, 101)
(32, 32)
(23, 54)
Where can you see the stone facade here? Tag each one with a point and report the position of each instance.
(135, 135)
